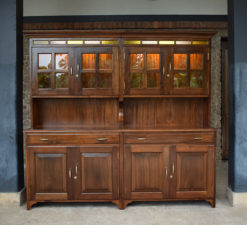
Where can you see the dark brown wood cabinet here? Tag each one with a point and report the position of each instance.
(120, 118)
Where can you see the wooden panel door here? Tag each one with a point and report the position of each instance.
(47, 170)
(193, 171)
(190, 69)
(146, 171)
(146, 71)
(52, 71)
(97, 71)
(98, 170)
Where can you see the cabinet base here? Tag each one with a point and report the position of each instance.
(121, 204)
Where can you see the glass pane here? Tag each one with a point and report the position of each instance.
(136, 61)
(179, 80)
(196, 61)
(88, 61)
(88, 80)
(41, 42)
(58, 42)
(105, 80)
(200, 42)
(132, 42)
(75, 42)
(62, 61)
(44, 61)
(109, 42)
(153, 80)
(166, 42)
(149, 42)
(183, 42)
(44, 80)
(196, 80)
(92, 42)
(153, 61)
(61, 80)
(105, 61)
(180, 61)
(136, 80)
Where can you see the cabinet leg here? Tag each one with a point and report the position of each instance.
(121, 204)
(30, 204)
(211, 202)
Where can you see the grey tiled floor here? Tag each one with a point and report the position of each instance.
(155, 213)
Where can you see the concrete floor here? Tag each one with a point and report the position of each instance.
(157, 213)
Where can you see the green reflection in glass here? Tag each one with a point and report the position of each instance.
(136, 80)
(179, 80)
(61, 80)
(44, 80)
(196, 80)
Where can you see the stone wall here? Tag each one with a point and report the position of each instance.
(215, 86)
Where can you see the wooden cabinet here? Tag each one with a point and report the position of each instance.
(62, 170)
(120, 118)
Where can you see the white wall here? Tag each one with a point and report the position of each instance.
(124, 7)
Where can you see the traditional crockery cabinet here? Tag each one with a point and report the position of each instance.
(120, 117)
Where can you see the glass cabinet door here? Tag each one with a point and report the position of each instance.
(51, 71)
(190, 71)
(144, 71)
(97, 70)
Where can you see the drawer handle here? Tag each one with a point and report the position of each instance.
(141, 139)
(197, 138)
(44, 139)
(101, 139)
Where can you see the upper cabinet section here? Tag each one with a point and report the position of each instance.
(120, 67)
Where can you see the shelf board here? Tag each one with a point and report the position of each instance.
(72, 96)
(166, 96)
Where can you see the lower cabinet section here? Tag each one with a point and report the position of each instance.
(72, 173)
(155, 172)
(120, 174)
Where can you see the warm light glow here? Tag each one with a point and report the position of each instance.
(109, 42)
(166, 42)
(74, 42)
(200, 42)
(132, 42)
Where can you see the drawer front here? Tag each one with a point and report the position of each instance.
(168, 138)
(71, 139)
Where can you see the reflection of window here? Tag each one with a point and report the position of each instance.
(62, 61)
(44, 61)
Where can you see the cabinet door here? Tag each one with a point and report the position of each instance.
(47, 171)
(190, 70)
(146, 71)
(52, 71)
(98, 170)
(193, 171)
(97, 71)
(146, 171)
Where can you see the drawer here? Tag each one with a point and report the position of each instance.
(169, 138)
(71, 139)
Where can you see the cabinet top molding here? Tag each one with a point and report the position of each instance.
(119, 33)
